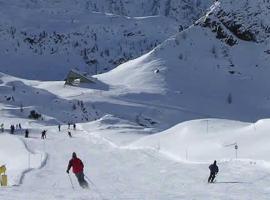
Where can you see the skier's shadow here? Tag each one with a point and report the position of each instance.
(233, 182)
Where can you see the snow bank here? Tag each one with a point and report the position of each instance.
(17, 158)
(209, 139)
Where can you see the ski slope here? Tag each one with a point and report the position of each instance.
(148, 129)
(119, 172)
(216, 138)
(154, 175)
(121, 158)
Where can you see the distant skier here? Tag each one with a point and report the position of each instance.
(213, 172)
(26, 133)
(2, 127)
(59, 127)
(12, 129)
(74, 126)
(43, 134)
(68, 125)
(69, 134)
(77, 168)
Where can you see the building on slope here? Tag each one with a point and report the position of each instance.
(75, 77)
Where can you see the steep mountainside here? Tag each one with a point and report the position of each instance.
(217, 68)
(48, 37)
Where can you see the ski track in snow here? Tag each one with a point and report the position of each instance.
(121, 173)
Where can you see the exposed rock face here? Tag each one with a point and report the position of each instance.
(247, 20)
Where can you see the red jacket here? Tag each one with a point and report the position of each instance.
(76, 164)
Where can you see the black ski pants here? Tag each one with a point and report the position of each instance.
(211, 177)
(83, 183)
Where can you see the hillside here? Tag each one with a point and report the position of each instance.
(50, 37)
(149, 128)
(216, 68)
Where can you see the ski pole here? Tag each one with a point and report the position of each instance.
(71, 182)
(90, 181)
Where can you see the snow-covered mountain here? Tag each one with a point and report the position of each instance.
(216, 68)
(46, 38)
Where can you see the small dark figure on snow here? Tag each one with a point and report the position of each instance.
(12, 129)
(43, 134)
(68, 125)
(213, 172)
(74, 126)
(20, 126)
(59, 127)
(77, 168)
(69, 134)
(26, 133)
(2, 127)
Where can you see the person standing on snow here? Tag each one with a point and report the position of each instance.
(26, 135)
(213, 172)
(2, 127)
(77, 168)
(69, 134)
(43, 134)
(59, 127)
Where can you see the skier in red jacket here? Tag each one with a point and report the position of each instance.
(77, 168)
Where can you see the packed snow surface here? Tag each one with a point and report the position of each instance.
(121, 158)
(149, 128)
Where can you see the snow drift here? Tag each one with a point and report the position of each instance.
(17, 158)
(210, 139)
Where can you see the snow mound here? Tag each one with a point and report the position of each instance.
(210, 139)
(17, 158)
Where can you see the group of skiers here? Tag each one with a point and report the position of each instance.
(69, 132)
(77, 165)
(13, 128)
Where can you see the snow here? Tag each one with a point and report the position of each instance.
(201, 75)
(210, 139)
(124, 159)
(17, 158)
(119, 172)
(91, 36)
(149, 128)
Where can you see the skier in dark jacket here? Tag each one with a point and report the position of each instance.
(213, 172)
(77, 168)
(26, 133)
(43, 134)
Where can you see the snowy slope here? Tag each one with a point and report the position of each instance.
(50, 37)
(17, 158)
(43, 102)
(212, 69)
(210, 139)
(208, 70)
(123, 173)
